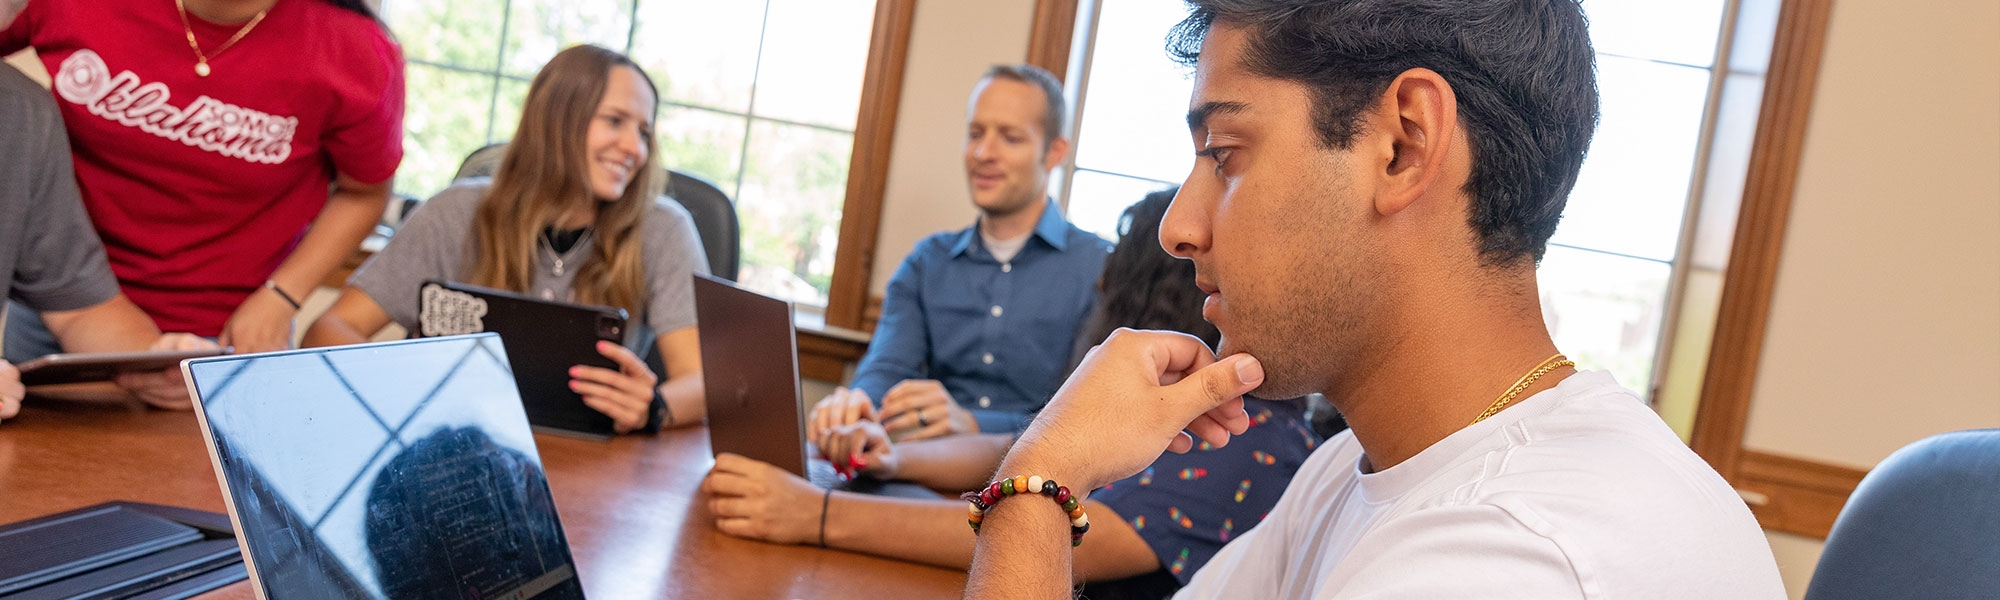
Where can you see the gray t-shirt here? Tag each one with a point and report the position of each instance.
(51, 257)
(435, 243)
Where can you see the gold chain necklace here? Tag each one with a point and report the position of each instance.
(201, 60)
(1552, 363)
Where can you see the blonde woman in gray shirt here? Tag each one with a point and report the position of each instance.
(566, 217)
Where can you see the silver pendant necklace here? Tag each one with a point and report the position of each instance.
(562, 259)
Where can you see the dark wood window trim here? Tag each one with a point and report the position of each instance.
(1049, 42)
(868, 166)
(1794, 495)
(1788, 494)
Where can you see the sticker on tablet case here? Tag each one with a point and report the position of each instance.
(448, 312)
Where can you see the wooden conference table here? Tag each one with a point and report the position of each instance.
(631, 507)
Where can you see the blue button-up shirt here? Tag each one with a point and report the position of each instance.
(997, 335)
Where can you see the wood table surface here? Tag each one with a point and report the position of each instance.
(631, 507)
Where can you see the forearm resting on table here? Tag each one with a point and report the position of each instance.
(932, 532)
(352, 319)
(954, 463)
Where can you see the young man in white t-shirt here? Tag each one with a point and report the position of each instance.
(1377, 181)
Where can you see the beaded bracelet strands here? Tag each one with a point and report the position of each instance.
(1027, 484)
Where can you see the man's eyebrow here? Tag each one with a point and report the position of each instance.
(1197, 117)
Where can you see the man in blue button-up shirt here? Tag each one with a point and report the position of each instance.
(977, 324)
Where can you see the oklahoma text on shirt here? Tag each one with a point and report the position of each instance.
(207, 123)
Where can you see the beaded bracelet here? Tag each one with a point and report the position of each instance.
(1027, 484)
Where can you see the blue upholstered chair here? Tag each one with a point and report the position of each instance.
(1923, 524)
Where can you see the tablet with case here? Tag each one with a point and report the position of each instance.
(543, 340)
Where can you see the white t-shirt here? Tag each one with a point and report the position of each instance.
(1004, 250)
(1576, 492)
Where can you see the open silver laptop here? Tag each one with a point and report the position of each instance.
(396, 470)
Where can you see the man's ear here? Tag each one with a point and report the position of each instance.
(1418, 115)
(1058, 151)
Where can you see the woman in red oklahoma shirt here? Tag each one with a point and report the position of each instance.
(228, 178)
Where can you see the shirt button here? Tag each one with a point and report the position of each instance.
(1006, 267)
(988, 358)
(985, 402)
(548, 294)
(996, 310)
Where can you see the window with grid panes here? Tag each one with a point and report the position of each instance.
(758, 97)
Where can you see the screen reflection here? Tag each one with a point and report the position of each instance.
(399, 470)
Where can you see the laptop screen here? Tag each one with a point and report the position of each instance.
(397, 470)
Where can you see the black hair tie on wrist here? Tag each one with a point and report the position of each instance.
(658, 414)
(824, 500)
(273, 286)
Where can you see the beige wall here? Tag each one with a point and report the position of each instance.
(25, 61)
(1885, 322)
(1796, 557)
(951, 44)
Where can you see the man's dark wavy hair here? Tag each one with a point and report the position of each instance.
(1523, 72)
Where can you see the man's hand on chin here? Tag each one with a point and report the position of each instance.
(1134, 396)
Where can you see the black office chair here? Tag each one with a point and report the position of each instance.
(721, 235)
(482, 162)
(714, 218)
(714, 215)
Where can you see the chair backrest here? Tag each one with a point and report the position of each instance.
(1923, 524)
(482, 162)
(714, 218)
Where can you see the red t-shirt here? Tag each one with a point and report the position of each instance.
(201, 186)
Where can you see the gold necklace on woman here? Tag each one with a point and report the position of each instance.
(201, 60)
(1552, 363)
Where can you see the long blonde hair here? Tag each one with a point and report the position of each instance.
(546, 171)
